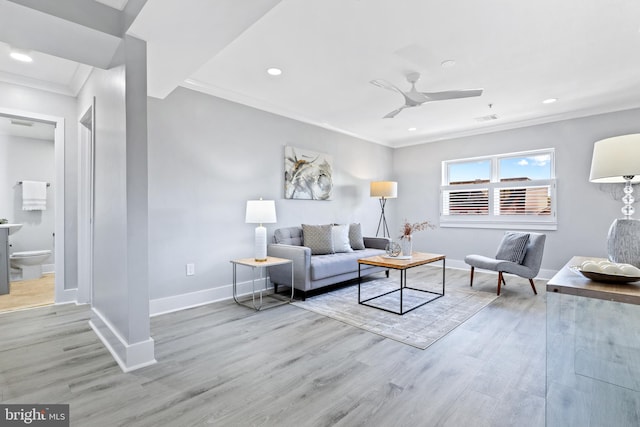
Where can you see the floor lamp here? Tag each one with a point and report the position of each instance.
(384, 190)
(617, 160)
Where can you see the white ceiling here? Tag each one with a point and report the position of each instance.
(586, 54)
(46, 72)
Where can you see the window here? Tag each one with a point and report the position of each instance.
(515, 190)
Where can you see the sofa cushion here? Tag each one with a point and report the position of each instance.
(323, 266)
(355, 237)
(318, 238)
(340, 237)
(288, 236)
(513, 247)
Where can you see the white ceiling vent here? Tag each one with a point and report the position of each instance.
(21, 123)
(487, 118)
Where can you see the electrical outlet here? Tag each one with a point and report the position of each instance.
(191, 269)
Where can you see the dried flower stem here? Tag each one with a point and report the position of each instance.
(409, 228)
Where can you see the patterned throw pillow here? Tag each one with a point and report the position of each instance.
(318, 238)
(340, 236)
(355, 237)
(513, 247)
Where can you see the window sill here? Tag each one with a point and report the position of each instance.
(505, 225)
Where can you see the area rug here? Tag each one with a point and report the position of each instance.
(419, 328)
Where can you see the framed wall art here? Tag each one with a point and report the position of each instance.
(307, 174)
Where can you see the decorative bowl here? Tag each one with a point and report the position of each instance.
(603, 277)
(393, 249)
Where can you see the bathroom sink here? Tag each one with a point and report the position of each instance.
(12, 227)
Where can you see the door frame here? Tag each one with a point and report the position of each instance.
(62, 295)
(86, 160)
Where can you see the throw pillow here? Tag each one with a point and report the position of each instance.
(355, 237)
(513, 247)
(340, 236)
(318, 238)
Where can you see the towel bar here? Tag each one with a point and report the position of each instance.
(20, 183)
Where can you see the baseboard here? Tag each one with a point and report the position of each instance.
(48, 268)
(173, 303)
(128, 356)
(543, 274)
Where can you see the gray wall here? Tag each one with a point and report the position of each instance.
(120, 268)
(208, 156)
(27, 159)
(43, 102)
(585, 210)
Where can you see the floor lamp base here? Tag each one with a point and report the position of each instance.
(382, 222)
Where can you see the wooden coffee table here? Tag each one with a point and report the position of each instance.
(417, 259)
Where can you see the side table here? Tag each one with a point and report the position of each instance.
(256, 266)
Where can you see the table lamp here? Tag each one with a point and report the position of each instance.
(384, 190)
(617, 160)
(260, 212)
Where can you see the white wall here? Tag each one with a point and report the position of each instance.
(42, 102)
(120, 300)
(208, 156)
(110, 233)
(27, 159)
(585, 210)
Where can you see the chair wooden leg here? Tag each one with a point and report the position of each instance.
(500, 280)
(533, 286)
(471, 282)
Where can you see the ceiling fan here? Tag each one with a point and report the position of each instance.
(413, 98)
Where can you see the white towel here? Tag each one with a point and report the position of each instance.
(34, 196)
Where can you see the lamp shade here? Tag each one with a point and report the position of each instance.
(386, 189)
(615, 158)
(260, 212)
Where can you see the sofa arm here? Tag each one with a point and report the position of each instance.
(301, 257)
(376, 242)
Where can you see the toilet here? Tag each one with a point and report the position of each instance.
(29, 263)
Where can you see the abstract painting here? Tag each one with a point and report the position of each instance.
(307, 174)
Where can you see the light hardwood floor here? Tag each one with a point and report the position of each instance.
(29, 293)
(226, 365)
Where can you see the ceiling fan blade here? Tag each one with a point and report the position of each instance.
(452, 94)
(385, 85)
(394, 113)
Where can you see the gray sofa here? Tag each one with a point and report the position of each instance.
(313, 272)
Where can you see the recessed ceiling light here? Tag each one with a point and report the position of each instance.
(273, 71)
(20, 56)
(549, 101)
(412, 129)
(448, 63)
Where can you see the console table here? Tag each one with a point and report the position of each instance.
(593, 351)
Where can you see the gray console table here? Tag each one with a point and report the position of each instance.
(593, 351)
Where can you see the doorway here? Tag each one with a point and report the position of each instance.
(86, 204)
(27, 293)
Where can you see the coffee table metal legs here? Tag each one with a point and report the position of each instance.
(403, 286)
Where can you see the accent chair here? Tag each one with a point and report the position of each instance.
(518, 253)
